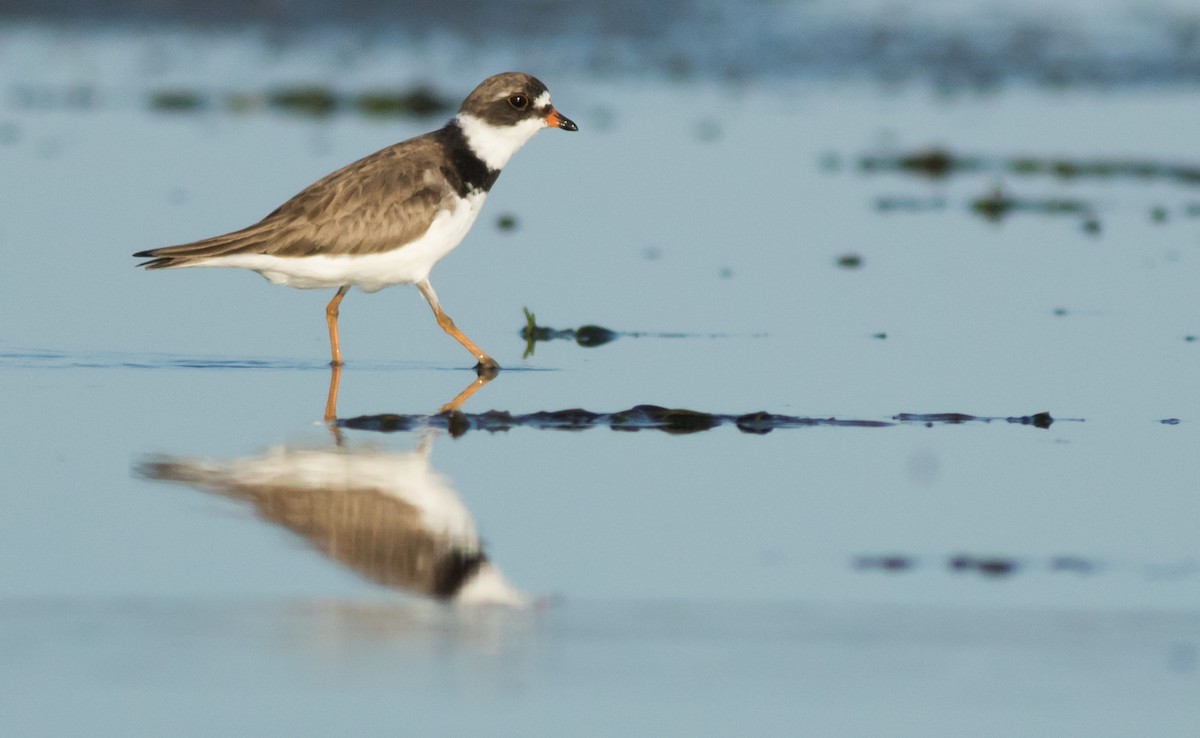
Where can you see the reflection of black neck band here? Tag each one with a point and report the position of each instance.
(454, 570)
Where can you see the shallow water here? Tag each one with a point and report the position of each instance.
(892, 563)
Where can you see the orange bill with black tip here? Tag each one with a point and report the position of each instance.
(555, 119)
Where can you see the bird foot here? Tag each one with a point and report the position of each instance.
(487, 368)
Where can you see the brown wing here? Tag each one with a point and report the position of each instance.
(374, 204)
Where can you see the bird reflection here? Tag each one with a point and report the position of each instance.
(335, 379)
(387, 515)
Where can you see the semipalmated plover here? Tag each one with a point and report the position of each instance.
(388, 218)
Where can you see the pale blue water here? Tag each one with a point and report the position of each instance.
(686, 584)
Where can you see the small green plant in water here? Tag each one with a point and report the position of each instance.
(529, 333)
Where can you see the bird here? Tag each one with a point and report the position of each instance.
(389, 217)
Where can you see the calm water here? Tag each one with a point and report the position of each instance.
(900, 578)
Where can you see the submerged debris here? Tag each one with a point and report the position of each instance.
(897, 203)
(639, 417)
(892, 563)
(418, 102)
(997, 204)
(1037, 420)
(309, 100)
(177, 101)
(849, 261)
(651, 417)
(933, 163)
(1076, 564)
(939, 163)
(989, 566)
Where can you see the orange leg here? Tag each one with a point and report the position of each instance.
(471, 389)
(335, 377)
(487, 366)
(331, 316)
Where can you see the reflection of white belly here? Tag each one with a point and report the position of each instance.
(370, 272)
(404, 476)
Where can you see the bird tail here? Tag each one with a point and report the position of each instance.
(246, 241)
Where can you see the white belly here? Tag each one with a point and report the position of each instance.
(369, 272)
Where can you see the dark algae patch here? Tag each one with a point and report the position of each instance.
(929, 163)
(672, 420)
(997, 204)
(312, 101)
(679, 421)
(418, 102)
(637, 418)
(908, 204)
(308, 100)
(991, 566)
(177, 101)
(1000, 202)
(888, 563)
(849, 261)
(1037, 420)
(988, 567)
(939, 163)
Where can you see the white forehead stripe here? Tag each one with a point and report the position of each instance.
(542, 100)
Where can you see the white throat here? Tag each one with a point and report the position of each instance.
(495, 145)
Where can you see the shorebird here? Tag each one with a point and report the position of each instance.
(388, 218)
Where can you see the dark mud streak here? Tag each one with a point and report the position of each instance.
(998, 204)
(1037, 420)
(991, 567)
(311, 100)
(909, 204)
(941, 163)
(653, 417)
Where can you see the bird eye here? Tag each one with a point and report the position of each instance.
(520, 102)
